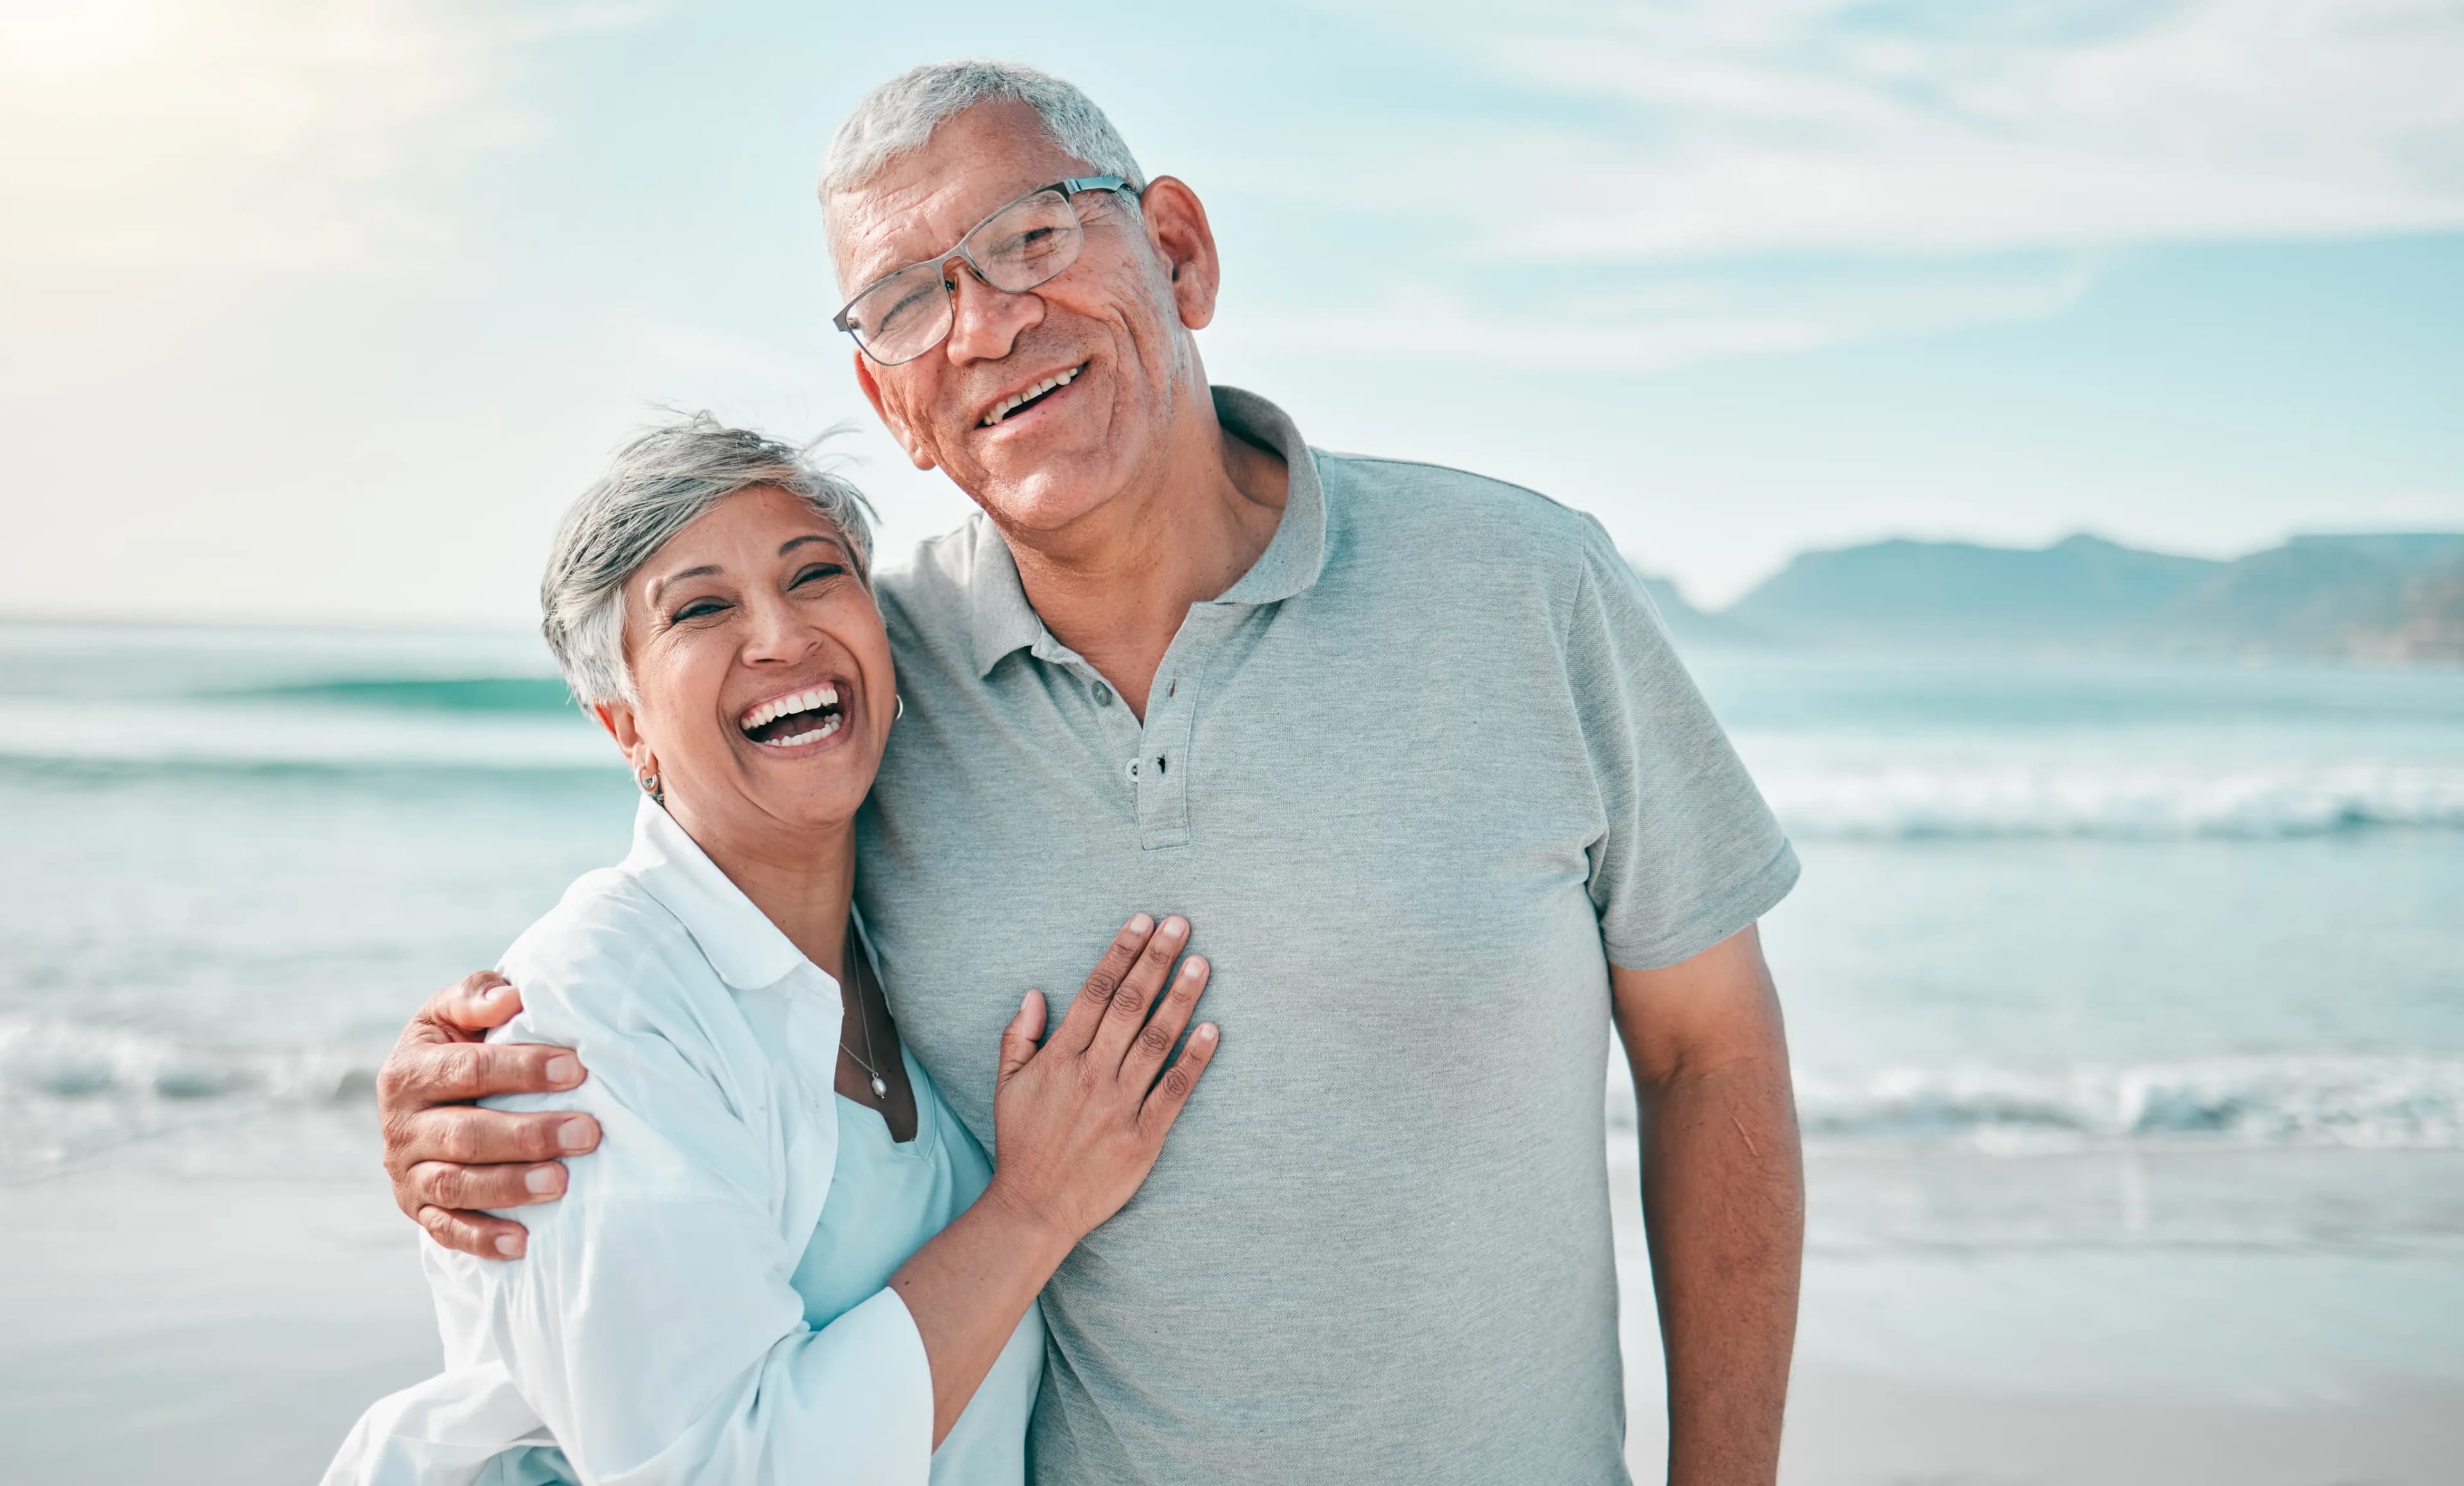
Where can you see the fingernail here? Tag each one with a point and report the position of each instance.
(563, 1072)
(1174, 927)
(540, 1179)
(510, 1247)
(1205, 1031)
(1141, 925)
(1193, 967)
(494, 993)
(574, 1135)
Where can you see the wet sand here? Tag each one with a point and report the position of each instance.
(162, 1325)
(203, 1330)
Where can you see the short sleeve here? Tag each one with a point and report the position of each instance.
(1688, 853)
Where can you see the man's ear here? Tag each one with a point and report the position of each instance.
(1177, 226)
(897, 427)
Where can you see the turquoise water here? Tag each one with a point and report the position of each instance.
(2050, 912)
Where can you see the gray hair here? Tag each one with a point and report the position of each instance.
(901, 114)
(660, 484)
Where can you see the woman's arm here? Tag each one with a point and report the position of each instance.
(651, 1325)
(1078, 1124)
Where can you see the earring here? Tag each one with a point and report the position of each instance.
(650, 787)
(902, 707)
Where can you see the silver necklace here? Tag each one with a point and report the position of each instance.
(855, 980)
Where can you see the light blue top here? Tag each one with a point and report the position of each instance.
(886, 1199)
(708, 1302)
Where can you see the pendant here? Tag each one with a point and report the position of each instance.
(880, 1090)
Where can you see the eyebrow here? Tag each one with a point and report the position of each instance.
(864, 285)
(665, 578)
(659, 583)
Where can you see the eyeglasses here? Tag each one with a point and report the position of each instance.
(907, 312)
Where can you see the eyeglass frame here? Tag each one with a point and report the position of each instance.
(1067, 188)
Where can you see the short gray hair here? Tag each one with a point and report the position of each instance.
(901, 114)
(660, 484)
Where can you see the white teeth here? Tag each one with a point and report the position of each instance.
(823, 695)
(829, 725)
(1002, 409)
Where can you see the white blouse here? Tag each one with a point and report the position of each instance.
(654, 1331)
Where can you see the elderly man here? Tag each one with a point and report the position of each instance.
(1408, 747)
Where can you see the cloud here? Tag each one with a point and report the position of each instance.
(1645, 186)
(280, 135)
(1649, 321)
(1791, 126)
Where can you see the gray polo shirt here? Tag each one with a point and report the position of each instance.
(1416, 780)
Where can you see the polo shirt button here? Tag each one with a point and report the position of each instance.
(1103, 695)
(1131, 769)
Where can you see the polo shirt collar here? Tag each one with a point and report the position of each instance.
(1292, 561)
(998, 617)
(1001, 619)
(739, 941)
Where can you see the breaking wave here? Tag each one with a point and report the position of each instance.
(67, 1090)
(2290, 1100)
(2172, 801)
(539, 695)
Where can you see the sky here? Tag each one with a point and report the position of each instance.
(323, 310)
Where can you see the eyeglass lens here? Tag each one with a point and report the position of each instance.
(1019, 247)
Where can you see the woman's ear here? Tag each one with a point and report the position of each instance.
(617, 717)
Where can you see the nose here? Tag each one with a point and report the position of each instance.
(779, 634)
(985, 322)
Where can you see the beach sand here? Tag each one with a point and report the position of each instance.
(200, 1330)
(170, 1323)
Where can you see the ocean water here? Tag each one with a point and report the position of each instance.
(2047, 907)
(2088, 958)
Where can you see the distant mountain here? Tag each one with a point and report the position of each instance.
(2433, 623)
(2309, 598)
(2366, 596)
(2404, 549)
(1690, 627)
(2082, 591)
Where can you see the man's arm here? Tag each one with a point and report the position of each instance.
(449, 1158)
(1723, 1201)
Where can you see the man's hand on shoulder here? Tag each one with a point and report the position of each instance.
(449, 1158)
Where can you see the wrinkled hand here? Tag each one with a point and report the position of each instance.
(1079, 1121)
(449, 1158)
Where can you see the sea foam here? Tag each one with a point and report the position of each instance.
(2157, 801)
(68, 1089)
(2296, 1100)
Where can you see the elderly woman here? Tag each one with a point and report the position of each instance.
(788, 1260)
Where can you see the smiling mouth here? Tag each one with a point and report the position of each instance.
(1020, 401)
(806, 716)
